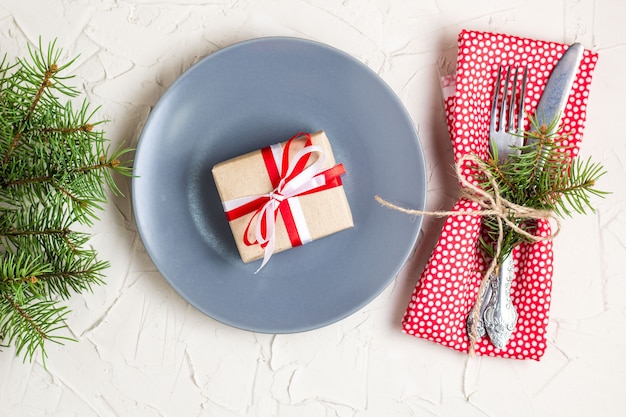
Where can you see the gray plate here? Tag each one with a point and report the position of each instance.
(251, 95)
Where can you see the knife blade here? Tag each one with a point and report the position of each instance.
(554, 97)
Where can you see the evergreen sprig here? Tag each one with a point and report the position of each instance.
(55, 167)
(543, 174)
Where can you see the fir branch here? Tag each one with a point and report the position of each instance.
(572, 192)
(54, 167)
(49, 68)
(72, 274)
(28, 325)
(78, 186)
(22, 268)
(49, 177)
(37, 230)
(542, 175)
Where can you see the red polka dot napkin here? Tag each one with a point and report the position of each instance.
(448, 286)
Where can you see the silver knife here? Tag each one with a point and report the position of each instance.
(554, 97)
(549, 112)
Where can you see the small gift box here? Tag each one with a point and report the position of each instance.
(282, 196)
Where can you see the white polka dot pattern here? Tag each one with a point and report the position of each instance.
(448, 286)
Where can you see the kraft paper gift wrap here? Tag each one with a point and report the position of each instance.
(324, 212)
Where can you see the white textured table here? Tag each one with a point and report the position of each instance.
(143, 351)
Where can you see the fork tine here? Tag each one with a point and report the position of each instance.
(494, 102)
(522, 98)
(512, 107)
(503, 106)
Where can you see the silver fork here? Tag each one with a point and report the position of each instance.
(497, 316)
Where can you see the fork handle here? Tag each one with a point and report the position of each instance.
(500, 315)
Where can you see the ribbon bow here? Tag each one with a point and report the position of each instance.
(293, 179)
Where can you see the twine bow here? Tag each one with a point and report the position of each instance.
(492, 203)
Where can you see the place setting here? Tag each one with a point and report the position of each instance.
(279, 186)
